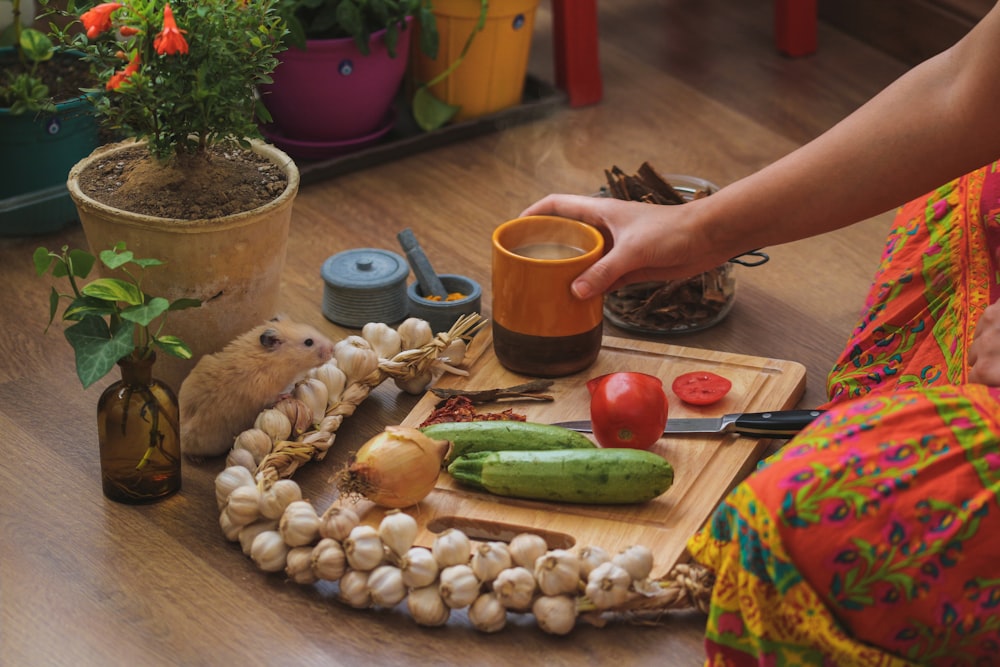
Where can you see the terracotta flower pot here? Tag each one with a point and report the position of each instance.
(233, 264)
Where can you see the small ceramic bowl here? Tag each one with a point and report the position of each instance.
(441, 315)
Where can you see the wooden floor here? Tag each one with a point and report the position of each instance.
(694, 86)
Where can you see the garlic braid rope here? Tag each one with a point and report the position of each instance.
(262, 509)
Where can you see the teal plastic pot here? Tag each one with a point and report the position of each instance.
(38, 151)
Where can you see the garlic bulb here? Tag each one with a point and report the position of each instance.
(489, 559)
(334, 379)
(354, 589)
(451, 548)
(416, 385)
(329, 562)
(274, 423)
(243, 505)
(637, 560)
(414, 333)
(515, 588)
(607, 585)
(229, 479)
(558, 572)
(385, 340)
(299, 524)
(398, 531)
(355, 357)
(385, 585)
(555, 614)
(487, 614)
(269, 551)
(251, 531)
(314, 394)
(280, 495)
(299, 414)
(298, 565)
(256, 442)
(241, 458)
(459, 586)
(426, 606)
(419, 567)
(338, 522)
(590, 557)
(364, 548)
(455, 352)
(230, 530)
(526, 548)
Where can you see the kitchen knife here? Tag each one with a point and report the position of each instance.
(774, 424)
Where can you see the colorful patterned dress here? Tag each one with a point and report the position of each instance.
(873, 537)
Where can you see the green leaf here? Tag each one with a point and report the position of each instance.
(97, 348)
(86, 306)
(36, 45)
(82, 262)
(148, 262)
(145, 313)
(184, 304)
(42, 260)
(114, 259)
(112, 289)
(174, 346)
(53, 306)
(430, 112)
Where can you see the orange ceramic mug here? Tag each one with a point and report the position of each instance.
(539, 327)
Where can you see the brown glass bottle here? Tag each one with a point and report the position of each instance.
(137, 428)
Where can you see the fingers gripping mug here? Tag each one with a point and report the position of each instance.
(539, 327)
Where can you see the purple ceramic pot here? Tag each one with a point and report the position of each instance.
(332, 92)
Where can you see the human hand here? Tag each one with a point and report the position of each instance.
(643, 242)
(984, 352)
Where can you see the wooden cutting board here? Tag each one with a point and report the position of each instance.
(706, 467)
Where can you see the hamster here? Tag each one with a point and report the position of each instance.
(225, 391)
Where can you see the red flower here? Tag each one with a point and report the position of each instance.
(171, 39)
(128, 31)
(98, 19)
(119, 77)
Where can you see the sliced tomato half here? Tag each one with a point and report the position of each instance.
(701, 387)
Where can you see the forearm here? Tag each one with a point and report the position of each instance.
(933, 124)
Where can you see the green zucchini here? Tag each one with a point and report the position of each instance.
(591, 476)
(502, 435)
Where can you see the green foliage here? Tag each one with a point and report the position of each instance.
(358, 19)
(24, 91)
(112, 317)
(181, 100)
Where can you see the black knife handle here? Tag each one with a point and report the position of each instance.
(776, 424)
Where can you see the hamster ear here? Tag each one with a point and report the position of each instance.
(270, 339)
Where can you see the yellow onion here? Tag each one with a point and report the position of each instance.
(396, 468)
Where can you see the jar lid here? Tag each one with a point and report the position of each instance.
(364, 285)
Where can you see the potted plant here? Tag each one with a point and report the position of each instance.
(45, 127)
(116, 322)
(467, 80)
(193, 186)
(336, 85)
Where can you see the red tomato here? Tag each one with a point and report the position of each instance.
(701, 387)
(627, 409)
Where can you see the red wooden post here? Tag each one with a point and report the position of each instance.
(795, 27)
(577, 62)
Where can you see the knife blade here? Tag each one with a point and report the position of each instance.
(774, 424)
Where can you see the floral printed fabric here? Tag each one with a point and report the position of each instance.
(873, 537)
